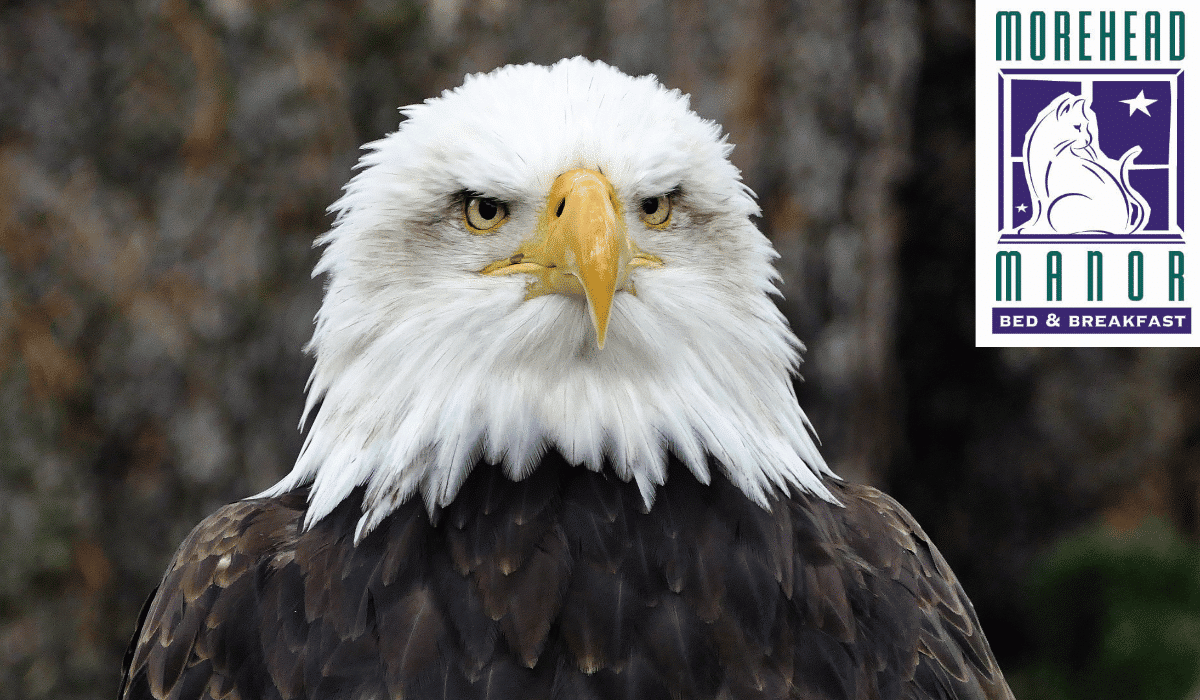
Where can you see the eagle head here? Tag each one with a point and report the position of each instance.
(558, 258)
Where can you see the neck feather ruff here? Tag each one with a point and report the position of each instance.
(425, 367)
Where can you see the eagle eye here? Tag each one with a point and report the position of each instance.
(656, 211)
(483, 214)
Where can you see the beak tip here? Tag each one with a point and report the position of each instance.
(601, 328)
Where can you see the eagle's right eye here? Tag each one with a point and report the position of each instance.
(483, 214)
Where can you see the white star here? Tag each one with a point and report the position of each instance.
(1139, 103)
(1021, 208)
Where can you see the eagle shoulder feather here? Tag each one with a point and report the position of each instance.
(563, 585)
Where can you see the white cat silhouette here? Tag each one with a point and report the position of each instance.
(1075, 187)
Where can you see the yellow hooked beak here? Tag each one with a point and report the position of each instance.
(580, 247)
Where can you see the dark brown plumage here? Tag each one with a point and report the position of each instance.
(561, 586)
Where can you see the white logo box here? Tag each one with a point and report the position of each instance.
(1083, 199)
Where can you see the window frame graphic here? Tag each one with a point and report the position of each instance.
(1087, 78)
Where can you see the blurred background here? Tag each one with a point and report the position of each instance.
(166, 164)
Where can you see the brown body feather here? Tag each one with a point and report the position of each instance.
(560, 586)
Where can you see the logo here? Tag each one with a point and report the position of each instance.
(1058, 175)
(1082, 232)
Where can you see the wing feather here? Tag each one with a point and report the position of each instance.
(562, 585)
(200, 613)
(917, 602)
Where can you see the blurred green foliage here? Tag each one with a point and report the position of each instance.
(1114, 615)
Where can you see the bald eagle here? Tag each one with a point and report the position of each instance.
(555, 449)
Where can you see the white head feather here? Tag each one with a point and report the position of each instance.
(423, 365)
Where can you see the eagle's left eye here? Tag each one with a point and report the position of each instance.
(655, 211)
(484, 213)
